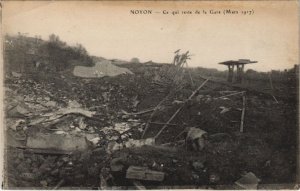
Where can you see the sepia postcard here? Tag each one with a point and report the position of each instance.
(138, 95)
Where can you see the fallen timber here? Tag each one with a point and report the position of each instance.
(180, 108)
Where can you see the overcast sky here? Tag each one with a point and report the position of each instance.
(107, 29)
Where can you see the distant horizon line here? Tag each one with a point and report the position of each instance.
(28, 35)
(128, 62)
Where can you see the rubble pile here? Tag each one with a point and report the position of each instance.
(127, 132)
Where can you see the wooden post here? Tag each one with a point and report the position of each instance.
(230, 72)
(272, 88)
(243, 114)
(239, 73)
(242, 72)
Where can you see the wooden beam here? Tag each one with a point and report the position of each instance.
(153, 113)
(180, 108)
(231, 94)
(143, 173)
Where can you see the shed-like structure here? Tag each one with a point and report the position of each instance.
(240, 68)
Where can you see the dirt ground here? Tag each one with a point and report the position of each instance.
(267, 147)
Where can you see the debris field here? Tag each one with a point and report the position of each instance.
(144, 130)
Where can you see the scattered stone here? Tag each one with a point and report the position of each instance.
(19, 136)
(60, 132)
(56, 142)
(116, 165)
(93, 139)
(14, 124)
(195, 138)
(73, 104)
(114, 146)
(44, 183)
(198, 166)
(248, 181)
(195, 177)
(125, 116)
(91, 130)
(50, 104)
(139, 143)
(81, 124)
(121, 127)
(18, 111)
(47, 98)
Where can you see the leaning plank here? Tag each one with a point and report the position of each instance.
(231, 94)
(138, 185)
(275, 98)
(66, 111)
(55, 116)
(153, 113)
(272, 88)
(143, 173)
(271, 83)
(156, 109)
(180, 108)
(59, 184)
(243, 115)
